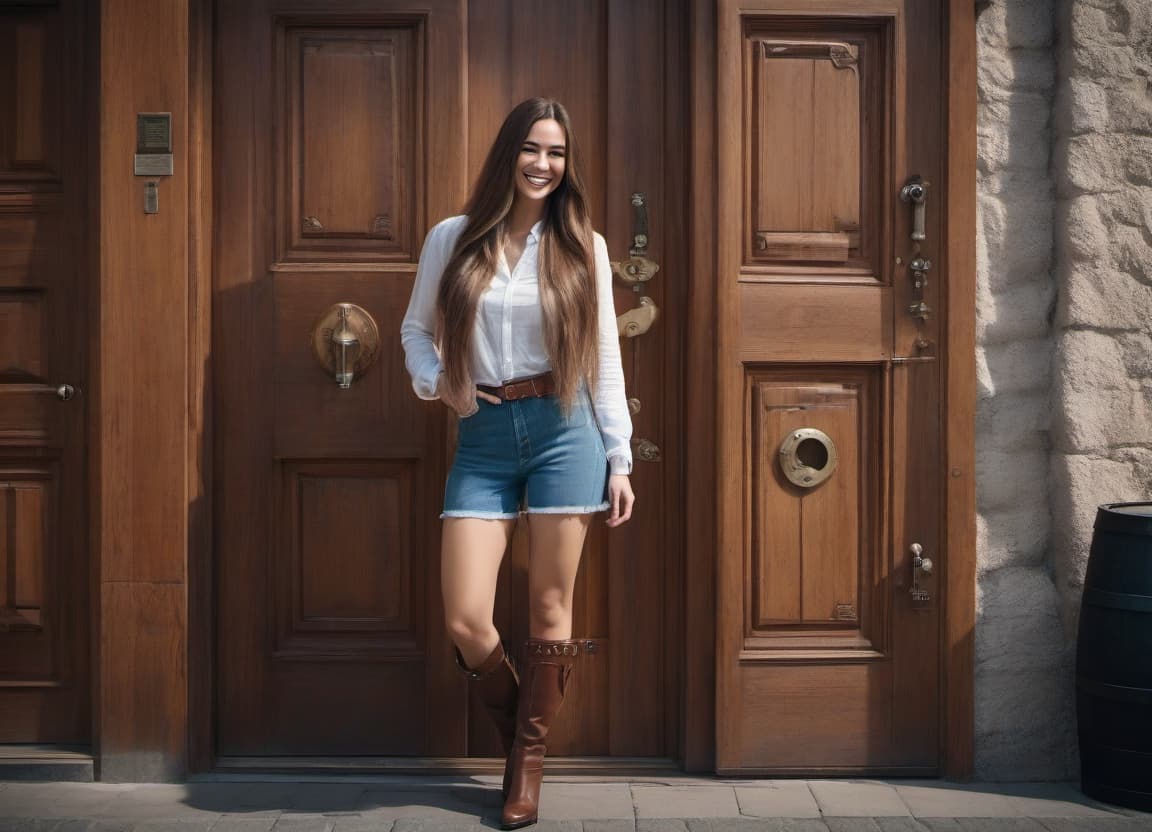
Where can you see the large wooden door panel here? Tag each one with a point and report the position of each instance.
(825, 660)
(341, 138)
(44, 578)
(340, 142)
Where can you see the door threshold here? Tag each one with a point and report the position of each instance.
(69, 763)
(343, 767)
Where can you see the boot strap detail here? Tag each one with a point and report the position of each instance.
(554, 648)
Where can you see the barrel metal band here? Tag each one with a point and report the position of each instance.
(1117, 693)
(1117, 600)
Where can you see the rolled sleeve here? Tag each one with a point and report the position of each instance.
(610, 403)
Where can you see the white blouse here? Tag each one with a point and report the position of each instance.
(507, 341)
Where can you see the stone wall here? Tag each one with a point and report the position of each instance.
(1022, 695)
(1064, 354)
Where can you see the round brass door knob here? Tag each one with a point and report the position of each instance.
(345, 340)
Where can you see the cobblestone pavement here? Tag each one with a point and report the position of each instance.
(568, 804)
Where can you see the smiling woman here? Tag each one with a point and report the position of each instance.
(511, 323)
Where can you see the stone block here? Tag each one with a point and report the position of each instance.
(1095, 163)
(1012, 132)
(684, 801)
(1029, 24)
(1017, 69)
(1129, 107)
(844, 798)
(1103, 298)
(1017, 237)
(780, 799)
(1023, 724)
(1017, 312)
(1022, 366)
(1017, 536)
(1007, 479)
(1087, 360)
(1081, 106)
(1018, 626)
(1014, 421)
(1082, 234)
(1093, 420)
(1080, 484)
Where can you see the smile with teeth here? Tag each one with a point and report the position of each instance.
(538, 181)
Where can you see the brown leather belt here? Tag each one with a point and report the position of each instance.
(523, 388)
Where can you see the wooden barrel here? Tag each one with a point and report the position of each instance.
(1114, 659)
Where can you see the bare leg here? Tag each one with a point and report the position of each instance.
(470, 554)
(555, 544)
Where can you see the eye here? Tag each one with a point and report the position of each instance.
(559, 154)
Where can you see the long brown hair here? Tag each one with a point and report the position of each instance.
(567, 271)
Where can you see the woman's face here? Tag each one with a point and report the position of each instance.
(540, 165)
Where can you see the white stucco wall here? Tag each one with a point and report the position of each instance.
(1064, 358)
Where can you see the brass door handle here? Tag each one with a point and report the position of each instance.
(345, 340)
(638, 320)
(64, 392)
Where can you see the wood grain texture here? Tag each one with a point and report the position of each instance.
(702, 391)
(770, 693)
(141, 424)
(45, 643)
(960, 396)
(143, 682)
(813, 323)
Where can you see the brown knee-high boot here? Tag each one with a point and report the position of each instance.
(547, 666)
(499, 686)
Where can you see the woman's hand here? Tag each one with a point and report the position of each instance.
(621, 497)
(468, 406)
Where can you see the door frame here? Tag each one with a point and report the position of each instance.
(181, 687)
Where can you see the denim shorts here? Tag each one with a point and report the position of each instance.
(524, 455)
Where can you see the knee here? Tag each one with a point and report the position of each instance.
(550, 611)
(465, 630)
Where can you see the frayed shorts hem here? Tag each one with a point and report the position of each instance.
(480, 515)
(568, 509)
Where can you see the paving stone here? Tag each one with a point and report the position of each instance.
(1055, 800)
(199, 825)
(610, 825)
(568, 801)
(999, 825)
(59, 800)
(936, 800)
(1114, 824)
(72, 825)
(111, 825)
(243, 823)
(778, 799)
(303, 824)
(854, 799)
(685, 802)
(242, 798)
(660, 825)
(757, 825)
(565, 825)
(438, 825)
(329, 798)
(362, 824)
(29, 824)
(462, 804)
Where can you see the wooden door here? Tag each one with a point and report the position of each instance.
(827, 661)
(340, 138)
(44, 676)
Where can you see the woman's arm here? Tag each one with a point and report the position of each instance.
(417, 332)
(610, 403)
